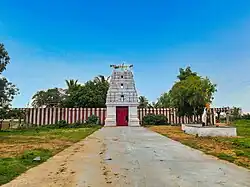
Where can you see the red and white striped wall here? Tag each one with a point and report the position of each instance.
(170, 113)
(45, 116)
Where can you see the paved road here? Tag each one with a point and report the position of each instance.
(132, 157)
(137, 157)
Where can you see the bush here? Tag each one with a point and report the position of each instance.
(77, 124)
(154, 119)
(62, 124)
(27, 126)
(93, 119)
(246, 116)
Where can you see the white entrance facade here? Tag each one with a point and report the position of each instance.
(122, 98)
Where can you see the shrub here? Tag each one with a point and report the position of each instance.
(77, 124)
(27, 126)
(93, 119)
(225, 156)
(62, 124)
(154, 119)
(246, 116)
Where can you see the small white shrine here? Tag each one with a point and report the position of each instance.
(122, 98)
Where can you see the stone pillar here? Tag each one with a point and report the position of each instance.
(218, 116)
(110, 116)
(227, 118)
(133, 117)
(214, 122)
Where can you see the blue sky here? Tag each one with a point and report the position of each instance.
(50, 41)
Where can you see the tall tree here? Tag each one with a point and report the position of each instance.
(143, 102)
(7, 89)
(185, 73)
(72, 85)
(153, 105)
(191, 93)
(236, 113)
(95, 94)
(92, 94)
(4, 58)
(101, 78)
(49, 98)
(164, 101)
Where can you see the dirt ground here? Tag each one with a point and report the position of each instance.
(62, 169)
(13, 149)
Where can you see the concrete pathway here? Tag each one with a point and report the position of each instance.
(137, 157)
(132, 157)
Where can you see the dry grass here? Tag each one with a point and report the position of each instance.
(18, 148)
(15, 149)
(223, 148)
(13, 143)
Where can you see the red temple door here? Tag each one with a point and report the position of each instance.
(122, 116)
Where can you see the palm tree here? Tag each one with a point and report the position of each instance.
(153, 105)
(143, 102)
(101, 78)
(49, 98)
(72, 84)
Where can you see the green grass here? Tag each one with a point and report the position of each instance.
(241, 144)
(71, 134)
(12, 166)
(243, 127)
(224, 156)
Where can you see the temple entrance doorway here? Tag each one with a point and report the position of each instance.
(122, 116)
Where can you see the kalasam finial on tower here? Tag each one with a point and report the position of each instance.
(122, 66)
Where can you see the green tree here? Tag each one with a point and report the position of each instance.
(235, 113)
(4, 58)
(185, 73)
(92, 94)
(156, 105)
(7, 89)
(102, 79)
(49, 98)
(3, 114)
(164, 101)
(7, 92)
(95, 94)
(72, 85)
(190, 94)
(143, 102)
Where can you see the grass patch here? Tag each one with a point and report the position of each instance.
(12, 167)
(19, 147)
(71, 134)
(235, 149)
(225, 156)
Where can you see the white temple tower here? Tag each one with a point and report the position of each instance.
(122, 98)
